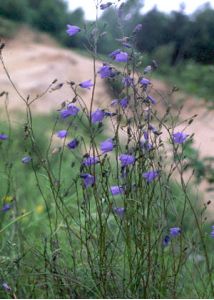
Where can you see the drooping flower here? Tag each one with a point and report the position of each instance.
(116, 190)
(145, 141)
(120, 211)
(114, 53)
(97, 116)
(146, 135)
(121, 57)
(86, 84)
(73, 144)
(127, 81)
(64, 114)
(62, 134)
(152, 100)
(106, 72)
(153, 129)
(89, 179)
(90, 160)
(71, 110)
(138, 28)
(146, 145)
(147, 69)
(110, 114)
(114, 102)
(6, 207)
(107, 146)
(72, 30)
(126, 159)
(106, 5)
(26, 159)
(3, 137)
(6, 287)
(124, 102)
(145, 82)
(166, 240)
(175, 231)
(179, 137)
(150, 176)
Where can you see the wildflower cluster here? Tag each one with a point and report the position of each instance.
(114, 221)
(147, 133)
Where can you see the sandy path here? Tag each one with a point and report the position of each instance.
(33, 66)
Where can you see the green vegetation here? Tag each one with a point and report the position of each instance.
(189, 76)
(8, 28)
(37, 15)
(43, 252)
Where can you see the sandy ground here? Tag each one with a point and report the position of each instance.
(34, 61)
(33, 64)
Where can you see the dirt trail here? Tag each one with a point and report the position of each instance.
(33, 66)
(34, 61)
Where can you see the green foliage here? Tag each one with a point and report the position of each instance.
(60, 265)
(14, 9)
(155, 31)
(47, 15)
(8, 28)
(201, 39)
(50, 16)
(162, 55)
(194, 78)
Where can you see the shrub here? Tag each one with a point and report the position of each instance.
(14, 9)
(7, 28)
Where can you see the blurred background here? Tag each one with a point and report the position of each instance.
(179, 35)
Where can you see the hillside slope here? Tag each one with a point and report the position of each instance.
(34, 61)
